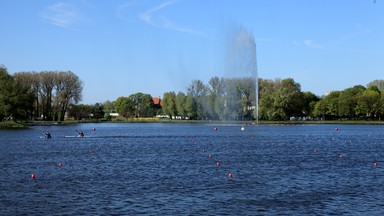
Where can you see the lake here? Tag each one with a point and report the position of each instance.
(193, 169)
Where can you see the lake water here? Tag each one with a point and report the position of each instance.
(183, 169)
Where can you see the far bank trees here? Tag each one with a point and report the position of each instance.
(53, 92)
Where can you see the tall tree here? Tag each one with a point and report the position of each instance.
(143, 104)
(180, 102)
(15, 98)
(368, 103)
(125, 107)
(347, 101)
(198, 91)
(378, 83)
(169, 104)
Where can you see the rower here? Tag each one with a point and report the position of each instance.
(48, 135)
(81, 134)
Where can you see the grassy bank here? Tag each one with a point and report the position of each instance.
(12, 125)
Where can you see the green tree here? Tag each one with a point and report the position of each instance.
(180, 101)
(190, 107)
(125, 107)
(332, 104)
(310, 100)
(198, 91)
(80, 111)
(143, 104)
(378, 83)
(98, 111)
(368, 103)
(15, 98)
(169, 104)
(347, 101)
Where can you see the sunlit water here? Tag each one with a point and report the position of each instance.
(171, 169)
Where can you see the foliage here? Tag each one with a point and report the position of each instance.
(53, 92)
(15, 97)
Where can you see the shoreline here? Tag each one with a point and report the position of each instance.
(25, 125)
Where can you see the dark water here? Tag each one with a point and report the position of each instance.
(171, 169)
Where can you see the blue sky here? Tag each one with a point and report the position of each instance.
(121, 47)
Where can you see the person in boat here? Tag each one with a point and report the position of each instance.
(48, 135)
(80, 134)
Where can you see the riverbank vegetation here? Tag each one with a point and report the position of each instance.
(55, 96)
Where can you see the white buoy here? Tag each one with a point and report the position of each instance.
(242, 128)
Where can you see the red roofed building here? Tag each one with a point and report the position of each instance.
(157, 102)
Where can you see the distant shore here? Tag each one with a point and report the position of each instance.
(23, 125)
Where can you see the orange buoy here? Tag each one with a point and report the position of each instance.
(33, 176)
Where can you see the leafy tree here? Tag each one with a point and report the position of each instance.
(320, 109)
(80, 111)
(266, 89)
(332, 104)
(15, 98)
(53, 92)
(98, 111)
(125, 107)
(378, 83)
(191, 107)
(169, 104)
(348, 101)
(215, 97)
(68, 89)
(180, 101)
(368, 103)
(198, 91)
(143, 104)
(310, 100)
(232, 100)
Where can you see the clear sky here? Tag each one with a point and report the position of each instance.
(121, 47)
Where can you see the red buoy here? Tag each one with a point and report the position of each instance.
(60, 164)
(93, 129)
(215, 128)
(336, 129)
(230, 175)
(33, 176)
(218, 163)
(374, 164)
(341, 156)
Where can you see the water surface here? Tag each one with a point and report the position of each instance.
(173, 169)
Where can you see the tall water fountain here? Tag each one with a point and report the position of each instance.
(241, 60)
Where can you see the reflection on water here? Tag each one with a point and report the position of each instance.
(173, 169)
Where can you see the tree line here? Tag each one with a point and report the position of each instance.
(54, 96)
(44, 95)
(279, 99)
